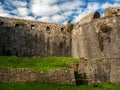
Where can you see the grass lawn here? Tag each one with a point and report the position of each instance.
(40, 86)
(43, 63)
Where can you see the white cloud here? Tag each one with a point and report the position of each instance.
(28, 17)
(45, 10)
(54, 18)
(71, 5)
(117, 0)
(48, 10)
(16, 3)
(92, 7)
(22, 11)
(58, 11)
(44, 19)
(68, 13)
(3, 12)
(106, 5)
(43, 7)
(58, 18)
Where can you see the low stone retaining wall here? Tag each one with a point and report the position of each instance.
(86, 72)
(93, 72)
(28, 75)
(115, 71)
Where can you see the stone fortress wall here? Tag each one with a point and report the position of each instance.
(98, 71)
(113, 11)
(28, 75)
(92, 38)
(89, 18)
(98, 38)
(31, 38)
(92, 72)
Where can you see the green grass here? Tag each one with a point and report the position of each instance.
(40, 86)
(43, 63)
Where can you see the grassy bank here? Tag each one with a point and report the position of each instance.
(43, 63)
(39, 86)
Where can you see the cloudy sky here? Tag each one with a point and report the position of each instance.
(57, 11)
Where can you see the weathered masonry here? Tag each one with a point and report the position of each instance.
(28, 75)
(97, 38)
(93, 38)
(32, 38)
(113, 11)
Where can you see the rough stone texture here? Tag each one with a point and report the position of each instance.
(115, 71)
(17, 75)
(94, 72)
(88, 18)
(92, 38)
(62, 76)
(31, 38)
(28, 75)
(97, 39)
(112, 11)
(85, 43)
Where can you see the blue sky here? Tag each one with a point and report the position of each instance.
(56, 11)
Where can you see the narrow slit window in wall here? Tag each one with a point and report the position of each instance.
(62, 29)
(1, 23)
(32, 27)
(47, 28)
(17, 25)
